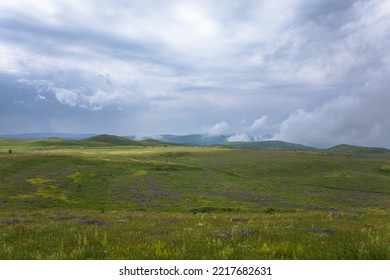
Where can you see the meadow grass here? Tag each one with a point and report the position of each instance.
(165, 235)
(183, 202)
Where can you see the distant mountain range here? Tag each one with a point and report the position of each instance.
(94, 141)
(65, 139)
(41, 135)
(195, 139)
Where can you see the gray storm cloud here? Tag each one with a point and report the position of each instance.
(359, 119)
(312, 72)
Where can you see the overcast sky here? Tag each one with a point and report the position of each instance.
(315, 72)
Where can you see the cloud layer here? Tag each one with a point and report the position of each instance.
(313, 72)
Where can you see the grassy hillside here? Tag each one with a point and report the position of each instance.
(108, 199)
(97, 141)
(111, 140)
(54, 141)
(348, 150)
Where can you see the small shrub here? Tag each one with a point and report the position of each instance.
(210, 210)
(270, 210)
(233, 232)
(385, 168)
(239, 219)
(92, 222)
(10, 151)
(324, 230)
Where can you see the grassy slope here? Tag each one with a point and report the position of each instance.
(356, 151)
(103, 140)
(111, 140)
(90, 198)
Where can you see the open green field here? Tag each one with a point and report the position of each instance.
(109, 198)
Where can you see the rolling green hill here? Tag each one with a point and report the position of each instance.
(153, 142)
(111, 140)
(103, 140)
(54, 141)
(122, 141)
(349, 150)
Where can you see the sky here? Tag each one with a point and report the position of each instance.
(314, 72)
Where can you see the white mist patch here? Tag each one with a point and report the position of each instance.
(239, 138)
(217, 129)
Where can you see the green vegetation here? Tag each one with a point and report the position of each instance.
(356, 151)
(108, 197)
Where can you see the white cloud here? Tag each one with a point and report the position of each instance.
(101, 97)
(195, 22)
(359, 119)
(7, 61)
(259, 124)
(217, 129)
(239, 138)
(68, 97)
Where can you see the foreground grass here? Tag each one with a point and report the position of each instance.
(176, 202)
(137, 235)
